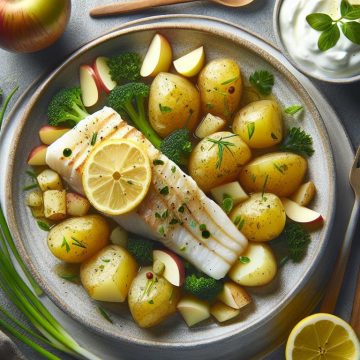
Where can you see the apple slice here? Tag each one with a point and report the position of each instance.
(222, 312)
(233, 189)
(190, 64)
(49, 134)
(193, 310)
(234, 295)
(76, 205)
(37, 156)
(90, 87)
(209, 125)
(304, 194)
(299, 213)
(174, 271)
(102, 73)
(158, 57)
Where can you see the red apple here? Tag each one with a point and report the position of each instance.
(37, 156)
(89, 84)
(102, 73)
(174, 271)
(299, 213)
(49, 134)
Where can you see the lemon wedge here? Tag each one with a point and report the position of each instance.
(116, 176)
(322, 337)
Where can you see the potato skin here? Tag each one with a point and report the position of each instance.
(174, 103)
(108, 274)
(219, 95)
(152, 307)
(259, 124)
(284, 172)
(263, 217)
(204, 166)
(91, 232)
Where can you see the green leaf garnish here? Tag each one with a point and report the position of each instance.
(93, 138)
(164, 190)
(65, 244)
(230, 80)
(293, 109)
(78, 243)
(319, 21)
(43, 225)
(298, 141)
(329, 38)
(263, 81)
(227, 204)
(250, 129)
(70, 277)
(244, 259)
(351, 30)
(67, 152)
(165, 109)
(158, 162)
(29, 187)
(104, 314)
(222, 146)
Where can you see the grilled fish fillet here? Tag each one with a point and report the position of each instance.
(185, 202)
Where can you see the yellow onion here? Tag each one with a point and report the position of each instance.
(32, 25)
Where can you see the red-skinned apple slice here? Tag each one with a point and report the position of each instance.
(49, 134)
(37, 156)
(299, 213)
(174, 271)
(102, 73)
(90, 87)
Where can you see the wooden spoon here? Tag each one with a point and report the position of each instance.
(334, 287)
(129, 6)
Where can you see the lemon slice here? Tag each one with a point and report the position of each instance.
(322, 337)
(116, 176)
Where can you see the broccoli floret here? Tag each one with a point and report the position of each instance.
(202, 286)
(129, 99)
(141, 249)
(297, 239)
(177, 146)
(67, 108)
(125, 67)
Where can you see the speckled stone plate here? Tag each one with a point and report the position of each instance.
(293, 293)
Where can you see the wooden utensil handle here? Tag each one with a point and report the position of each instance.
(355, 315)
(332, 292)
(128, 6)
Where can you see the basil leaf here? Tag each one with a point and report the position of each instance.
(353, 14)
(293, 109)
(345, 7)
(329, 38)
(351, 30)
(318, 21)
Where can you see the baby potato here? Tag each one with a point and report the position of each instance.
(261, 268)
(220, 86)
(262, 217)
(208, 168)
(280, 173)
(174, 103)
(77, 239)
(107, 275)
(259, 124)
(152, 300)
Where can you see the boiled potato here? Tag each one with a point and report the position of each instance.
(55, 204)
(262, 217)
(280, 173)
(208, 168)
(220, 87)
(107, 275)
(210, 124)
(174, 103)
(152, 300)
(35, 198)
(261, 268)
(49, 180)
(259, 124)
(77, 239)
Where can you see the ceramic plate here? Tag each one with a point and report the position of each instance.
(293, 288)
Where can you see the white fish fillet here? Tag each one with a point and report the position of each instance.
(215, 255)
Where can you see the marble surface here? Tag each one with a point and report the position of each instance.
(23, 69)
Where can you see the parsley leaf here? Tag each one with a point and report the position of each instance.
(298, 141)
(165, 109)
(293, 109)
(263, 81)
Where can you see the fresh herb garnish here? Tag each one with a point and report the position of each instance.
(67, 152)
(158, 162)
(158, 215)
(93, 138)
(43, 225)
(161, 230)
(65, 244)
(205, 234)
(250, 129)
(280, 168)
(293, 109)
(222, 145)
(298, 141)
(329, 28)
(202, 227)
(78, 243)
(165, 214)
(106, 260)
(174, 221)
(164, 109)
(6, 103)
(151, 301)
(31, 174)
(264, 186)
(164, 190)
(263, 81)
(227, 204)
(239, 222)
(104, 314)
(192, 223)
(29, 187)
(273, 136)
(230, 80)
(173, 169)
(70, 277)
(244, 259)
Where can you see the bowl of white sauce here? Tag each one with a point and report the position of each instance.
(299, 42)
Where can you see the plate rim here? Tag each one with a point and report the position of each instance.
(119, 31)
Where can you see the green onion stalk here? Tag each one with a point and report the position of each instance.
(50, 331)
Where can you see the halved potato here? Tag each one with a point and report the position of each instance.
(49, 180)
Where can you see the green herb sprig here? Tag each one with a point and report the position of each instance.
(263, 81)
(222, 146)
(298, 141)
(330, 29)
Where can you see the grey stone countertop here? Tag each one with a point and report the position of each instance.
(23, 69)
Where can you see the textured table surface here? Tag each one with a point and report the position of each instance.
(23, 69)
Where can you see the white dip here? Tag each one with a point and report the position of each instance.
(300, 40)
